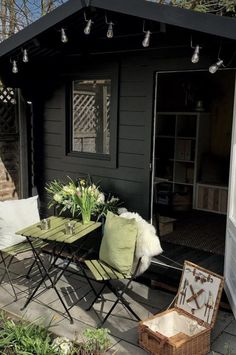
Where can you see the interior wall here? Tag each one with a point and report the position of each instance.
(222, 113)
(182, 91)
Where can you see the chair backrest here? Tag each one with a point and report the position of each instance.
(15, 215)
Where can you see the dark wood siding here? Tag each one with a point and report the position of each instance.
(130, 178)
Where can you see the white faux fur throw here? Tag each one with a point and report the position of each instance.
(148, 243)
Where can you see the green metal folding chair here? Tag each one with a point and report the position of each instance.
(8, 254)
(116, 261)
(105, 274)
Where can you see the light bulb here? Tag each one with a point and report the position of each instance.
(110, 32)
(25, 56)
(87, 29)
(64, 38)
(14, 67)
(195, 56)
(146, 40)
(214, 67)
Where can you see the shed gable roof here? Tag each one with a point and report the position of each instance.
(206, 23)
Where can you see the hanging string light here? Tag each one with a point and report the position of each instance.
(219, 63)
(14, 67)
(88, 26)
(195, 57)
(196, 53)
(25, 56)
(64, 38)
(110, 31)
(214, 67)
(146, 40)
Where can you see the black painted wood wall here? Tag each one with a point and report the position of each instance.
(130, 179)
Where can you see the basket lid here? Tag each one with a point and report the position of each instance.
(199, 293)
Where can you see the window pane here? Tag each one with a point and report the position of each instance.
(91, 116)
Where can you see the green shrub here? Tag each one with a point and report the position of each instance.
(22, 338)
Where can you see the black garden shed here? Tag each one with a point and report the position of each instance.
(113, 93)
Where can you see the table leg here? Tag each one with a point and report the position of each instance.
(45, 276)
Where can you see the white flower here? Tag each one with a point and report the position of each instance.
(63, 345)
(114, 199)
(101, 198)
(68, 189)
(57, 198)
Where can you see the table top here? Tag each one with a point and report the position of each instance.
(57, 230)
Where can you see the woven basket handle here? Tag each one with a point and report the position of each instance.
(154, 342)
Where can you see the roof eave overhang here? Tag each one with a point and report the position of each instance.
(211, 24)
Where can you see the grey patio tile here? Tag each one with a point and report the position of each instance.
(71, 331)
(7, 295)
(222, 322)
(225, 344)
(143, 310)
(120, 322)
(123, 328)
(75, 331)
(47, 297)
(45, 315)
(78, 311)
(123, 348)
(154, 298)
(231, 327)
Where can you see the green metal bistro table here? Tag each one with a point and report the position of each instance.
(57, 234)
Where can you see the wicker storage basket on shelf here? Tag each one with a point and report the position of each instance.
(185, 329)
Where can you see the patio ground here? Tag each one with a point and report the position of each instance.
(124, 331)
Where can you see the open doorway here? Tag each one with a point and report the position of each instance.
(191, 164)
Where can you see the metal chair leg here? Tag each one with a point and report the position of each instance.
(120, 298)
(97, 296)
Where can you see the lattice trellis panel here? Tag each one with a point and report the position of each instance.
(84, 112)
(87, 119)
(107, 128)
(8, 118)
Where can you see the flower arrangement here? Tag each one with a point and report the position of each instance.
(82, 197)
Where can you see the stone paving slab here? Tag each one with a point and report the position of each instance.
(123, 348)
(231, 329)
(123, 327)
(224, 319)
(225, 344)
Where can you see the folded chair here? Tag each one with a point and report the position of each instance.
(115, 261)
(15, 215)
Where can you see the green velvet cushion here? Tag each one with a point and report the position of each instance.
(118, 243)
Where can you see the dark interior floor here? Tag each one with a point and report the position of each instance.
(199, 230)
(198, 237)
(168, 278)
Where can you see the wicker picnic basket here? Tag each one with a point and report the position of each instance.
(185, 329)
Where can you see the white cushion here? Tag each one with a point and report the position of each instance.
(16, 215)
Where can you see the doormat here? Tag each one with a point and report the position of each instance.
(199, 230)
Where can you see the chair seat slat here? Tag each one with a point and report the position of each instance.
(102, 271)
(22, 247)
(90, 264)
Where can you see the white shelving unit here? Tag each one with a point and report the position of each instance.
(181, 138)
